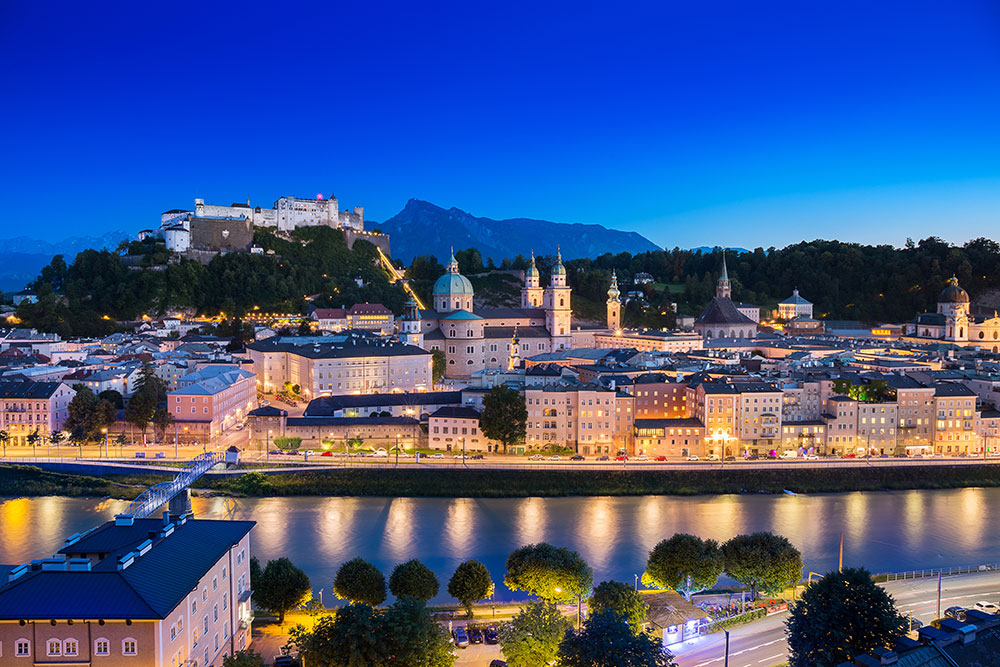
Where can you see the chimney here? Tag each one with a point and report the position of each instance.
(124, 519)
(79, 564)
(166, 517)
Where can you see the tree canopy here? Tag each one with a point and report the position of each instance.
(552, 573)
(281, 587)
(470, 583)
(840, 616)
(413, 579)
(87, 415)
(357, 580)
(607, 640)
(532, 637)
(504, 417)
(763, 561)
(685, 563)
(621, 599)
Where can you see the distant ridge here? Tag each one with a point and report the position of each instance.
(423, 228)
(22, 257)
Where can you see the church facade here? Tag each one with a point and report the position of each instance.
(473, 340)
(953, 321)
(721, 317)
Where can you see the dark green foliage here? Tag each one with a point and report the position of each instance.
(255, 571)
(357, 580)
(280, 587)
(439, 365)
(685, 563)
(504, 417)
(607, 640)
(470, 583)
(404, 635)
(622, 599)
(316, 261)
(555, 574)
(244, 658)
(843, 615)
(763, 561)
(113, 397)
(532, 637)
(87, 415)
(282, 442)
(413, 579)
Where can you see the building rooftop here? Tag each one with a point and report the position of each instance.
(456, 412)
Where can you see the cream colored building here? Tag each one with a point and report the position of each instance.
(587, 418)
(27, 407)
(456, 429)
(325, 366)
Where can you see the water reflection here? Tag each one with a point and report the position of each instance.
(883, 531)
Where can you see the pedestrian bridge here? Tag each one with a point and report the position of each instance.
(160, 494)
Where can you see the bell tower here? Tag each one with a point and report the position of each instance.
(614, 304)
(531, 293)
(558, 312)
(723, 289)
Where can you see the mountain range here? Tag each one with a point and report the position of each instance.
(22, 257)
(422, 228)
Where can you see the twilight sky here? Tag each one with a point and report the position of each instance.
(695, 123)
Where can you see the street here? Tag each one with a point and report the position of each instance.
(762, 643)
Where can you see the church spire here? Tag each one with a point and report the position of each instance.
(723, 289)
(452, 262)
(725, 273)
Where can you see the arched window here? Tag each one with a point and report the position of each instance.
(561, 302)
(102, 646)
(994, 335)
(22, 648)
(71, 647)
(961, 332)
(458, 304)
(53, 647)
(129, 646)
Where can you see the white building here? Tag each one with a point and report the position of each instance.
(794, 306)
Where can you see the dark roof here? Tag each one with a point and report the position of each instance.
(109, 538)
(351, 347)
(522, 332)
(352, 421)
(932, 319)
(28, 389)
(684, 422)
(952, 389)
(268, 411)
(548, 370)
(453, 412)
(150, 588)
(327, 405)
(654, 378)
(721, 310)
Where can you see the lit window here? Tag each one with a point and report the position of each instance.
(70, 647)
(53, 647)
(102, 646)
(128, 646)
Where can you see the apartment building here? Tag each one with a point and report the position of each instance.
(26, 407)
(673, 438)
(877, 429)
(741, 417)
(588, 418)
(656, 397)
(346, 364)
(212, 400)
(132, 592)
(456, 429)
(841, 421)
(955, 413)
(916, 413)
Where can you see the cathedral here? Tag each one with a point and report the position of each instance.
(722, 318)
(473, 340)
(954, 323)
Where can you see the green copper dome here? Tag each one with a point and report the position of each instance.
(452, 284)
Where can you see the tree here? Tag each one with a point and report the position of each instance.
(763, 561)
(843, 615)
(33, 439)
(504, 417)
(113, 397)
(552, 573)
(403, 635)
(244, 658)
(357, 580)
(255, 572)
(56, 437)
(87, 415)
(413, 579)
(532, 637)
(620, 599)
(470, 583)
(139, 412)
(685, 563)
(4, 439)
(439, 364)
(607, 640)
(281, 587)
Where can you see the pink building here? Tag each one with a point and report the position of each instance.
(212, 400)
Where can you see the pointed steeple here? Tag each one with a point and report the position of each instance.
(613, 292)
(725, 272)
(452, 262)
(723, 288)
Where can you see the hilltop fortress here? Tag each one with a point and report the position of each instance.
(210, 228)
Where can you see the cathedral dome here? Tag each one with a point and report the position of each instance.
(452, 284)
(953, 293)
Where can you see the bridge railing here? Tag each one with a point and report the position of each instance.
(933, 572)
(161, 493)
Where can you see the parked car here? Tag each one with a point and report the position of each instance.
(555, 457)
(475, 636)
(956, 613)
(730, 458)
(693, 457)
(491, 635)
(913, 624)
(576, 457)
(660, 458)
(753, 457)
(461, 638)
(712, 457)
(286, 661)
(621, 457)
(498, 663)
(380, 452)
(327, 453)
(478, 457)
(642, 457)
(811, 457)
(986, 607)
(460, 455)
(436, 455)
(604, 458)
(536, 457)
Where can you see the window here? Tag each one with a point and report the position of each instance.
(102, 646)
(215, 583)
(71, 647)
(215, 613)
(223, 574)
(53, 647)
(128, 646)
(194, 606)
(225, 604)
(173, 632)
(22, 648)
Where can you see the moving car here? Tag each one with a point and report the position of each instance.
(642, 457)
(478, 457)
(621, 457)
(380, 452)
(986, 607)
(660, 458)
(956, 613)
(491, 635)
(536, 457)
(555, 457)
(327, 453)
(438, 455)
(693, 457)
(576, 457)
(461, 638)
(712, 457)
(604, 458)
(475, 636)
(730, 458)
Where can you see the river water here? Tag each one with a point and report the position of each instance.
(885, 531)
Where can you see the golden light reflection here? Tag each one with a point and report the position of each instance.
(597, 527)
(460, 527)
(398, 536)
(337, 517)
(531, 519)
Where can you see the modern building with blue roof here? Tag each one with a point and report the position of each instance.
(133, 591)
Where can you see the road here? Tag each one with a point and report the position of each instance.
(762, 643)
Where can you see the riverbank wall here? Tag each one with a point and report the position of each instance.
(485, 483)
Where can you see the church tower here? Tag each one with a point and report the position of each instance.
(531, 293)
(409, 325)
(723, 289)
(558, 312)
(614, 304)
(514, 358)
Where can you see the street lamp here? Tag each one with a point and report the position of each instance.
(105, 432)
(397, 450)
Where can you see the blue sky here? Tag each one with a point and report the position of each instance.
(694, 123)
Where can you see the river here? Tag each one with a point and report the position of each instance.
(885, 531)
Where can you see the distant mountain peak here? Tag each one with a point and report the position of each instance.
(423, 227)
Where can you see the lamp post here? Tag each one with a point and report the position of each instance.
(637, 583)
(105, 432)
(397, 450)
(267, 446)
